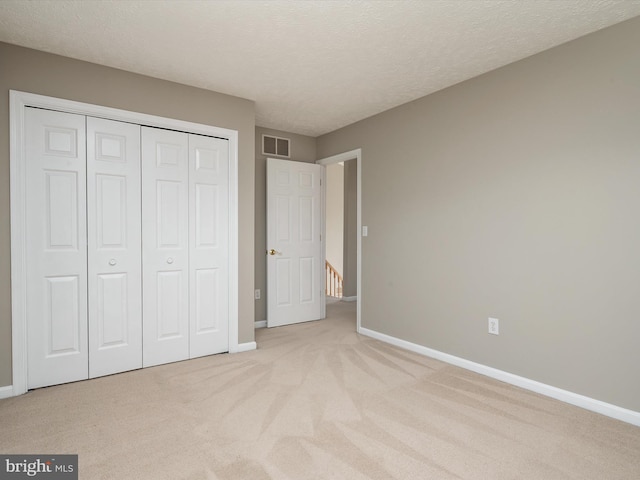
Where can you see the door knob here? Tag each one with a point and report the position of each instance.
(112, 262)
(169, 260)
(272, 252)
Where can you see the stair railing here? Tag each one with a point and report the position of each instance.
(333, 282)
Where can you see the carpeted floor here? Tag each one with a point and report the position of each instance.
(316, 401)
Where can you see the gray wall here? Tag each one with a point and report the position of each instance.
(302, 149)
(514, 195)
(350, 244)
(334, 215)
(52, 75)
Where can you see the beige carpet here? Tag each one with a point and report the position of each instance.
(316, 401)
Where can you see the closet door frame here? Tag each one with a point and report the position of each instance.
(19, 101)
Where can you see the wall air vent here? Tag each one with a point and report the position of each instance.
(275, 146)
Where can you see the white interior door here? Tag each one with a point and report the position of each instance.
(165, 251)
(295, 271)
(57, 244)
(208, 245)
(114, 251)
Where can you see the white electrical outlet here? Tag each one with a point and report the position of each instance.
(494, 326)
(257, 294)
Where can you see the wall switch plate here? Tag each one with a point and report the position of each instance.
(494, 326)
(365, 230)
(256, 294)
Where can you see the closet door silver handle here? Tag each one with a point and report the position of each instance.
(169, 260)
(112, 262)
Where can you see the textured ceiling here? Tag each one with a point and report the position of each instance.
(310, 66)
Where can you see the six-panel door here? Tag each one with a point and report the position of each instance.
(113, 220)
(295, 269)
(165, 252)
(57, 245)
(208, 245)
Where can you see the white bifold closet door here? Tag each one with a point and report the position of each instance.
(185, 247)
(83, 217)
(114, 251)
(57, 248)
(208, 245)
(127, 240)
(165, 252)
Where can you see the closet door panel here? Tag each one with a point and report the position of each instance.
(165, 233)
(209, 249)
(114, 236)
(56, 242)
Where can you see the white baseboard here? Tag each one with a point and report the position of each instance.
(260, 324)
(613, 411)
(349, 299)
(245, 347)
(6, 392)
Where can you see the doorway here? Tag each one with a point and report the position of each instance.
(352, 243)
